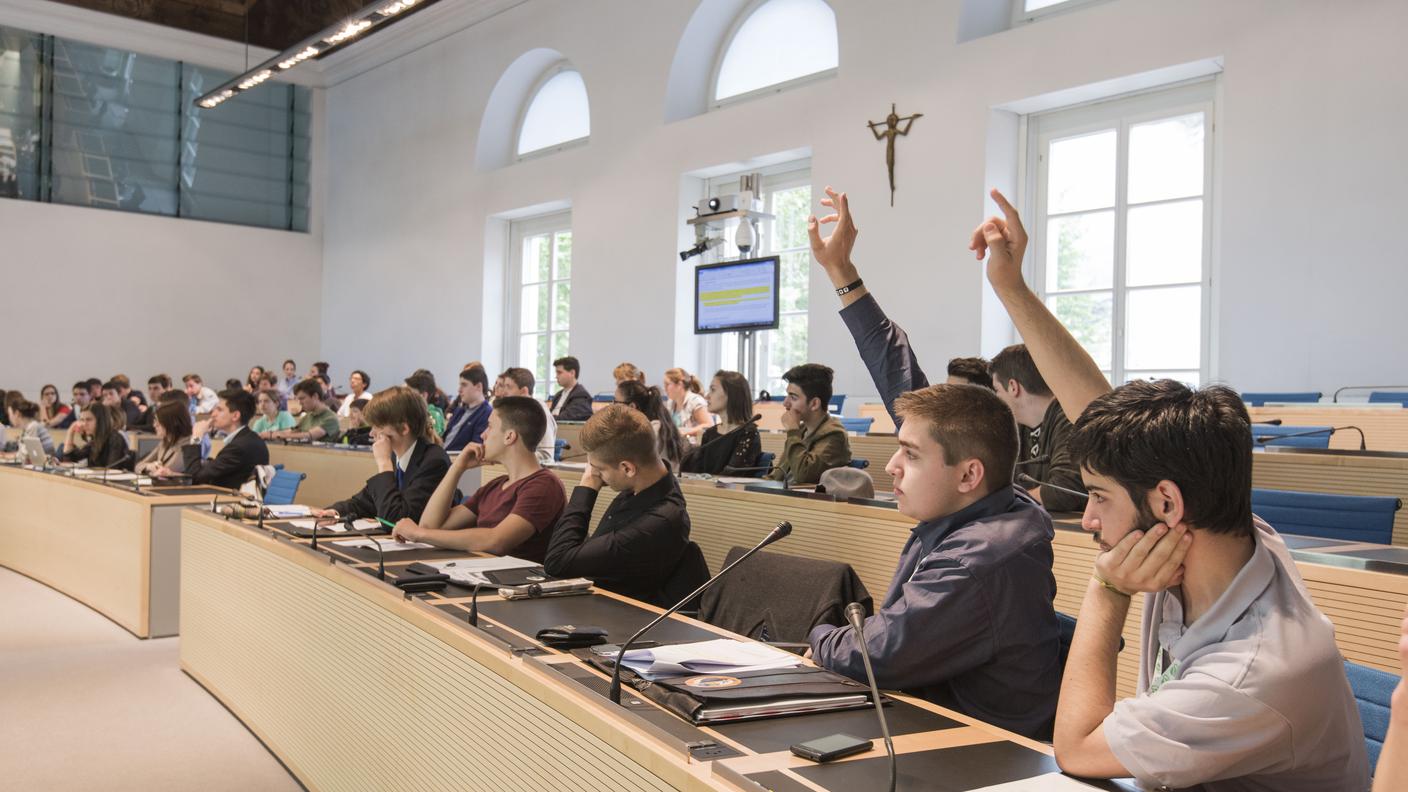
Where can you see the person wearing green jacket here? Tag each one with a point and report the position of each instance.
(816, 441)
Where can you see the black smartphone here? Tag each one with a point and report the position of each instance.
(835, 746)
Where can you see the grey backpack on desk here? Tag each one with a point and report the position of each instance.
(779, 597)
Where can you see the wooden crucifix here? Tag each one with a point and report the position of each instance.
(891, 130)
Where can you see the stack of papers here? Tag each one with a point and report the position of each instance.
(721, 656)
(386, 545)
(1051, 782)
(359, 525)
(285, 512)
(470, 571)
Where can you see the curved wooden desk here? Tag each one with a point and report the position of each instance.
(355, 686)
(115, 550)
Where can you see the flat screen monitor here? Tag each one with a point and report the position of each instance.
(737, 295)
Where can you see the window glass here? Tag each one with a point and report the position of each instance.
(781, 40)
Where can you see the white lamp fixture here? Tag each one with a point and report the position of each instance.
(319, 45)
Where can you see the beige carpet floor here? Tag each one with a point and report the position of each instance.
(86, 706)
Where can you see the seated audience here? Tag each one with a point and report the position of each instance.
(203, 399)
(513, 514)
(1241, 684)
(573, 402)
(627, 371)
(733, 444)
(112, 397)
(157, 386)
(269, 383)
(409, 463)
(688, 409)
(1046, 432)
(668, 442)
(358, 432)
(519, 382)
(816, 441)
(173, 427)
(423, 382)
(95, 388)
(290, 379)
(471, 414)
(82, 398)
(52, 412)
(271, 419)
(330, 397)
(969, 371)
(104, 444)
(251, 382)
(645, 530)
(968, 620)
(243, 452)
(23, 415)
(357, 383)
(315, 421)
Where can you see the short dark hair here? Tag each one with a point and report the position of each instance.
(1145, 432)
(358, 404)
(233, 383)
(423, 382)
(112, 386)
(80, 385)
(310, 387)
(736, 391)
(322, 367)
(239, 400)
(366, 378)
(476, 375)
(289, 362)
(971, 369)
(618, 433)
(813, 379)
(569, 363)
(521, 377)
(970, 422)
(93, 382)
(173, 395)
(164, 380)
(1015, 363)
(524, 415)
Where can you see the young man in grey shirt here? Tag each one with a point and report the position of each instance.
(1241, 685)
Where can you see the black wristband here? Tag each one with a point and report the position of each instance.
(850, 287)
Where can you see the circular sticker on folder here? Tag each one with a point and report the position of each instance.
(712, 682)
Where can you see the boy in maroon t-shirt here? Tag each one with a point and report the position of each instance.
(511, 515)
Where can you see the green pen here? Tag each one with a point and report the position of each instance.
(385, 522)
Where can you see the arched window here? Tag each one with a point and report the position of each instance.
(778, 41)
(558, 113)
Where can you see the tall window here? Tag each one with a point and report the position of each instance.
(558, 113)
(775, 43)
(1120, 242)
(542, 296)
(787, 195)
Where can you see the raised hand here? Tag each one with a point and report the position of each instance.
(1004, 241)
(833, 253)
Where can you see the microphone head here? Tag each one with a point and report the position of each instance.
(782, 530)
(756, 417)
(855, 614)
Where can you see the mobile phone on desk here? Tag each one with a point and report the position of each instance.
(834, 746)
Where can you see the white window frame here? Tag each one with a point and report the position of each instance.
(551, 72)
(519, 232)
(776, 178)
(1021, 16)
(715, 103)
(1121, 113)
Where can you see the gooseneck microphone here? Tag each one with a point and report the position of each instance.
(855, 614)
(783, 529)
(380, 557)
(474, 605)
(1265, 439)
(731, 432)
(1023, 478)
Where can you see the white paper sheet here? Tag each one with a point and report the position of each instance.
(471, 570)
(291, 510)
(359, 525)
(387, 545)
(1051, 782)
(721, 656)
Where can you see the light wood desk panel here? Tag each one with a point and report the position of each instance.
(1385, 428)
(114, 550)
(1347, 474)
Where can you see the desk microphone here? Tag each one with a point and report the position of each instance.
(380, 556)
(1023, 478)
(474, 605)
(1269, 421)
(1265, 439)
(731, 432)
(783, 529)
(855, 614)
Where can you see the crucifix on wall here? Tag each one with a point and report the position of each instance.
(887, 131)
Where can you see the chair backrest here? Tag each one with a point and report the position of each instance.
(781, 597)
(688, 575)
(1260, 399)
(557, 447)
(1276, 435)
(283, 487)
(861, 425)
(765, 460)
(859, 464)
(1389, 397)
(604, 397)
(1350, 518)
(1373, 692)
(837, 402)
(1067, 625)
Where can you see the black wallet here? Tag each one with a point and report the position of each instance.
(572, 636)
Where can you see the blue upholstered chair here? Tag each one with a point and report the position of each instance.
(557, 448)
(861, 425)
(604, 397)
(1260, 399)
(1389, 397)
(283, 487)
(837, 402)
(1373, 692)
(1350, 518)
(1276, 435)
(765, 460)
(858, 464)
